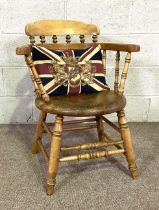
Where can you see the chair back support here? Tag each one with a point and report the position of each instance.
(55, 28)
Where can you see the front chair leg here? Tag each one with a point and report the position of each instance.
(126, 136)
(100, 129)
(54, 154)
(38, 132)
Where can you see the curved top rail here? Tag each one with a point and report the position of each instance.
(60, 27)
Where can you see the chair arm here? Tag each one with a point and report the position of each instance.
(120, 47)
(24, 50)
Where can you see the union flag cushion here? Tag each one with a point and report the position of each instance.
(70, 72)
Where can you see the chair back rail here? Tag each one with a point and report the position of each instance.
(55, 28)
(60, 27)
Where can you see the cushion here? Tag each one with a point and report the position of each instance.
(70, 72)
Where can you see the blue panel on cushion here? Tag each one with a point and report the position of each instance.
(45, 81)
(62, 90)
(97, 56)
(59, 53)
(61, 73)
(101, 79)
(37, 55)
(79, 52)
(87, 89)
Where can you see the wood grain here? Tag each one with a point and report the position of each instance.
(60, 27)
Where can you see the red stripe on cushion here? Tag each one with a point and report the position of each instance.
(68, 53)
(98, 67)
(45, 68)
(73, 90)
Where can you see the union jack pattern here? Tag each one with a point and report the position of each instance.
(70, 72)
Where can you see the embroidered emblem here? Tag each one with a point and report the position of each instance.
(72, 71)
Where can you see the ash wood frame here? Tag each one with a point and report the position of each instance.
(124, 145)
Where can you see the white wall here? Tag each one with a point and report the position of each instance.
(132, 21)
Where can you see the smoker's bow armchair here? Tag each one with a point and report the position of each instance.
(91, 105)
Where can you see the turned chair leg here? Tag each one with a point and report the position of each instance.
(126, 136)
(38, 132)
(54, 154)
(100, 129)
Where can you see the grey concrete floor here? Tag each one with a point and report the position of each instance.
(95, 184)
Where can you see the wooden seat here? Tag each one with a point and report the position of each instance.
(93, 105)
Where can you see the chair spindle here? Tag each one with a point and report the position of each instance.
(92, 155)
(37, 91)
(54, 39)
(104, 60)
(124, 74)
(44, 95)
(94, 38)
(82, 39)
(42, 39)
(32, 39)
(68, 39)
(117, 71)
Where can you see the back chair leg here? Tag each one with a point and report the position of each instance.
(100, 128)
(54, 154)
(126, 136)
(38, 132)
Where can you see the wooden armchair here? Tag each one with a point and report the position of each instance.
(93, 105)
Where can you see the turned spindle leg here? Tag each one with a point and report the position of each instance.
(54, 154)
(38, 133)
(100, 129)
(126, 136)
